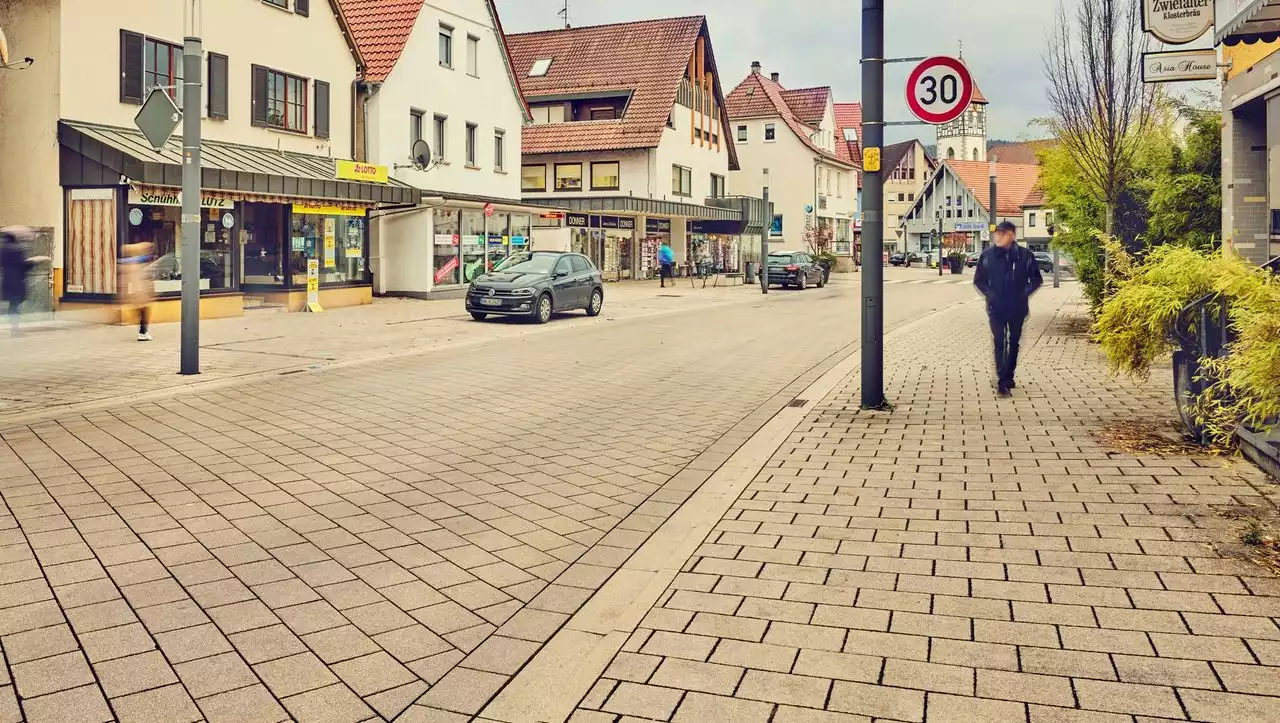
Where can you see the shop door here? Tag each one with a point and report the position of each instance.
(40, 280)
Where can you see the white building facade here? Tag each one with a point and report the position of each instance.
(793, 135)
(439, 72)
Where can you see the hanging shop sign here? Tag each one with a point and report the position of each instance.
(576, 220)
(657, 225)
(1179, 65)
(1177, 22)
(366, 172)
(162, 197)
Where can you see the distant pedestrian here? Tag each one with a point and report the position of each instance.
(666, 263)
(1007, 275)
(136, 285)
(15, 265)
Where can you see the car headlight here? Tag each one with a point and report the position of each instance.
(525, 291)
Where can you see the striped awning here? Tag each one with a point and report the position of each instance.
(93, 154)
(1246, 21)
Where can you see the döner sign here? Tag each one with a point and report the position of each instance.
(1177, 22)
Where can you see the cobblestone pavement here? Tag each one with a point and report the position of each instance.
(394, 537)
(965, 558)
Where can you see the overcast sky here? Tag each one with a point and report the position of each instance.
(816, 42)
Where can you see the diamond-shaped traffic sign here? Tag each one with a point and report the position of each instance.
(158, 118)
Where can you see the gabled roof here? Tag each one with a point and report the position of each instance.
(759, 97)
(809, 104)
(1015, 182)
(892, 155)
(381, 29)
(849, 115)
(1024, 152)
(647, 59)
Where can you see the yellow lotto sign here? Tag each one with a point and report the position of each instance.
(871, 159)
(367, 172)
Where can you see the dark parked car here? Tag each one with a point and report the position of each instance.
(795, 268)
(972, 259)
(1044, 260)
(536, 285)
(901, 259)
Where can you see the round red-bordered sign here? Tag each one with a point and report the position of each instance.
(939, 90)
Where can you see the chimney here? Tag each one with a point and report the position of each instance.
(773, 77)
(755, 66)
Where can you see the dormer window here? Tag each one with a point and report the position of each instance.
(850, 135)
(540, 67)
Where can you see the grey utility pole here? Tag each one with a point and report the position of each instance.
(873, 206)
(1057, 277)
(992, 171)
(766, 227)
(192, 59)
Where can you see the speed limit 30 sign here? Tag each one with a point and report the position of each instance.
(939, 90)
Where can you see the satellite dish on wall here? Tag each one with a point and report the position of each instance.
(421, 154)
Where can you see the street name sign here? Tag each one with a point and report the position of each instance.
(1177, 22)
(939, 90)
(1179, 65)
(158, 118)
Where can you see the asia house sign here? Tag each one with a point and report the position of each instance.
(1177, 22)
(1180, 65)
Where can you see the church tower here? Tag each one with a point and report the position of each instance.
(965, 138)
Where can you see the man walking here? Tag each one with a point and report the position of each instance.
(15, 264)
(666, 263)
(1007, 275)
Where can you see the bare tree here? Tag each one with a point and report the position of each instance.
(1100, 104)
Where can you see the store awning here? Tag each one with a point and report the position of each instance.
(645, 206)
(98, 155)
(1246, 21)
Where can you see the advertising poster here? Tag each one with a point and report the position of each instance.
(330, 244)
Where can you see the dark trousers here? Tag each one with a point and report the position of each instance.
(144, 319)
(15, 311)
(666, 272)
(1007, 331)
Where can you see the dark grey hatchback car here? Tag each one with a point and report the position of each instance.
(536, 285)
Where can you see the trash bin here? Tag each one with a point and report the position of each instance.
(750, 276)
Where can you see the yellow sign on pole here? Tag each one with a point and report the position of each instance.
(871, 159)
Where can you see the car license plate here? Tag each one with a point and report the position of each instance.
(491, 302)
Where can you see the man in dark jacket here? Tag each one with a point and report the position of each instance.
(14, 267)
(1007, 275)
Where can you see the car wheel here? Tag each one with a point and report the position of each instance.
(822, 280)
(802, 282)
(596, 303)
(542, 310)
(479, 316)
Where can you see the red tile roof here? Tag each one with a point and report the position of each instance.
(1015, 182)
(381, 29)
(809, 104)
(849, 115)
(1024, 152)
(647, 58)
(759, 97)
(1035, 198)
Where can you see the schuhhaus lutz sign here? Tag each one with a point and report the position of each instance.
(1177, 22)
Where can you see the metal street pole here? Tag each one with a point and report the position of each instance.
(938, 239)
(873, 206)
(766, 226)
(1057, 277)
(192, 59)
(992, 171)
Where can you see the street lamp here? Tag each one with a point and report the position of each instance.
(991, 171)
(766, 228)
(937, 239)
(1056, 279)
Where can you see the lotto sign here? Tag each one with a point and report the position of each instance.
(939, 90)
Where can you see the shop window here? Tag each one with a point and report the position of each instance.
(91, 241)
(471, 145)
(446, 46)
(568, 176)
(439, 135)
(161, 226)
(445, 260)
(337, 241)
(681, 181)
(605, 176)
(473, 245)
(770, 132)
(521, 225)
(533, 178)
(499, 150)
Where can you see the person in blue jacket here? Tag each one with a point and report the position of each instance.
(666, 263)
(1007, 275)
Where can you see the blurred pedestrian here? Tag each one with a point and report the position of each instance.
(136, 284)
(15, 265)
(1007, 275)
(666, 263)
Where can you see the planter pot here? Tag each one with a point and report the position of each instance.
(1261, 448)
(1186, 387)
(956, 265)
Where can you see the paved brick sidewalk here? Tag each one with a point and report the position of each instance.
(966, 559)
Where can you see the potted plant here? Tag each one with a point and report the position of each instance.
(955, 260)
(820, 240)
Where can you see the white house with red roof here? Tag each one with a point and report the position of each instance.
(438, 71)
(630, 136)
(812, 177)
(958, 197)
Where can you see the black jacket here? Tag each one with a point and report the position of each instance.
(1007, 277)
(14, 268)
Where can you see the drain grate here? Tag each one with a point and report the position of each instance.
(797, 402)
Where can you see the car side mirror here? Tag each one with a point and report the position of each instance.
(560, 273)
